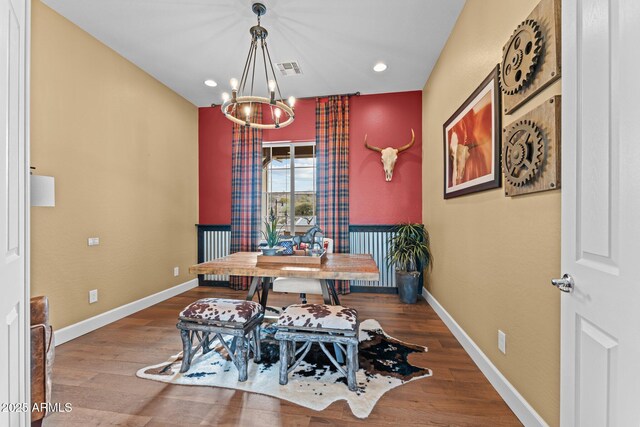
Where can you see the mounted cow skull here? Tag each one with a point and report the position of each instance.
(390, 155)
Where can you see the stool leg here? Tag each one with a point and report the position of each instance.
(356, 360)
(256, 344)
(339, 353)
(284, 362)
(206, 343)
(352, 366)
(186, 350)
(241, 358)
(232, 347)
(292, 352)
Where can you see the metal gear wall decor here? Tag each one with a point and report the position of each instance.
(531, 57)
(522, 153)
(520, 57)
(531, 150)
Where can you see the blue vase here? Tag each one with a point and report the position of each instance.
(270, 251)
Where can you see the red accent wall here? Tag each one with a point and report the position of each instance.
(386, 118)
(214, 163)
(303, 127)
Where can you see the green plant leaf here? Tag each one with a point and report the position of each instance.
(271, 231)
(409, 247)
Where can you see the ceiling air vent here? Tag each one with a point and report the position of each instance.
(290, 68)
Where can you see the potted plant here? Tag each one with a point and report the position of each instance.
(271, 234)
(408, 251)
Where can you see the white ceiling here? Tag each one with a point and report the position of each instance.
(337, 42)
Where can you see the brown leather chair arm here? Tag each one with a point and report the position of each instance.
(38, 368)
(41, 354)
(39, 310)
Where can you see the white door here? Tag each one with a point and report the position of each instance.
(600, 333)
(14, 301)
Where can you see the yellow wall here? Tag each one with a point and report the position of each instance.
(494, 256)
(123, 150)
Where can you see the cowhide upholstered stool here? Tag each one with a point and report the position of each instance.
(209, 319)
(318, 323)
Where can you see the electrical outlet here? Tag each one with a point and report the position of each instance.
(93, 241)
(176, 271)
(502, 342)
(93, 296)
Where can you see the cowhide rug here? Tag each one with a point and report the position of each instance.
(315, 383)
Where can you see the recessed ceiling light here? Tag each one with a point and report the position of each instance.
(210, 83)
(379, 67)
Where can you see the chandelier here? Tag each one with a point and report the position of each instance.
(239, 107)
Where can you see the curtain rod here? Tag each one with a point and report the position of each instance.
(314, 97)
(326, 96)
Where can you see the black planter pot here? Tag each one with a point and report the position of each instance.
(408, 283)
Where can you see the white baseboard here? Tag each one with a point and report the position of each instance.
(525, 412)
(84, 327)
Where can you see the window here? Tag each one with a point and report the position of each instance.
(289, 185)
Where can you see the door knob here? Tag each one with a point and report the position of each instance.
(565, 284)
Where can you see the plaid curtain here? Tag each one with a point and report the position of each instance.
(246, 192)
(332, 150)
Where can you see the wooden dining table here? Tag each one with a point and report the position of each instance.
(334, 267)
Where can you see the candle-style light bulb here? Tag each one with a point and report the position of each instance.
(225, 96)
(277, 112)
(247, 112)
(234, 83)
(291, 101)
(272, 92)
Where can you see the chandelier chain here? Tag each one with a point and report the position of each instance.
(247, 64)
(266, 74)
(273, 71)
(253, 72)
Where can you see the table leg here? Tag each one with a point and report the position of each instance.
(266, 283)
(334, 293)
(327, 291)
(253, 288)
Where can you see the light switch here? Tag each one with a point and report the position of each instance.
(93, 241)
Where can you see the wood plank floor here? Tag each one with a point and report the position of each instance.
(96, 374)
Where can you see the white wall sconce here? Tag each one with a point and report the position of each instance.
(43, 190)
